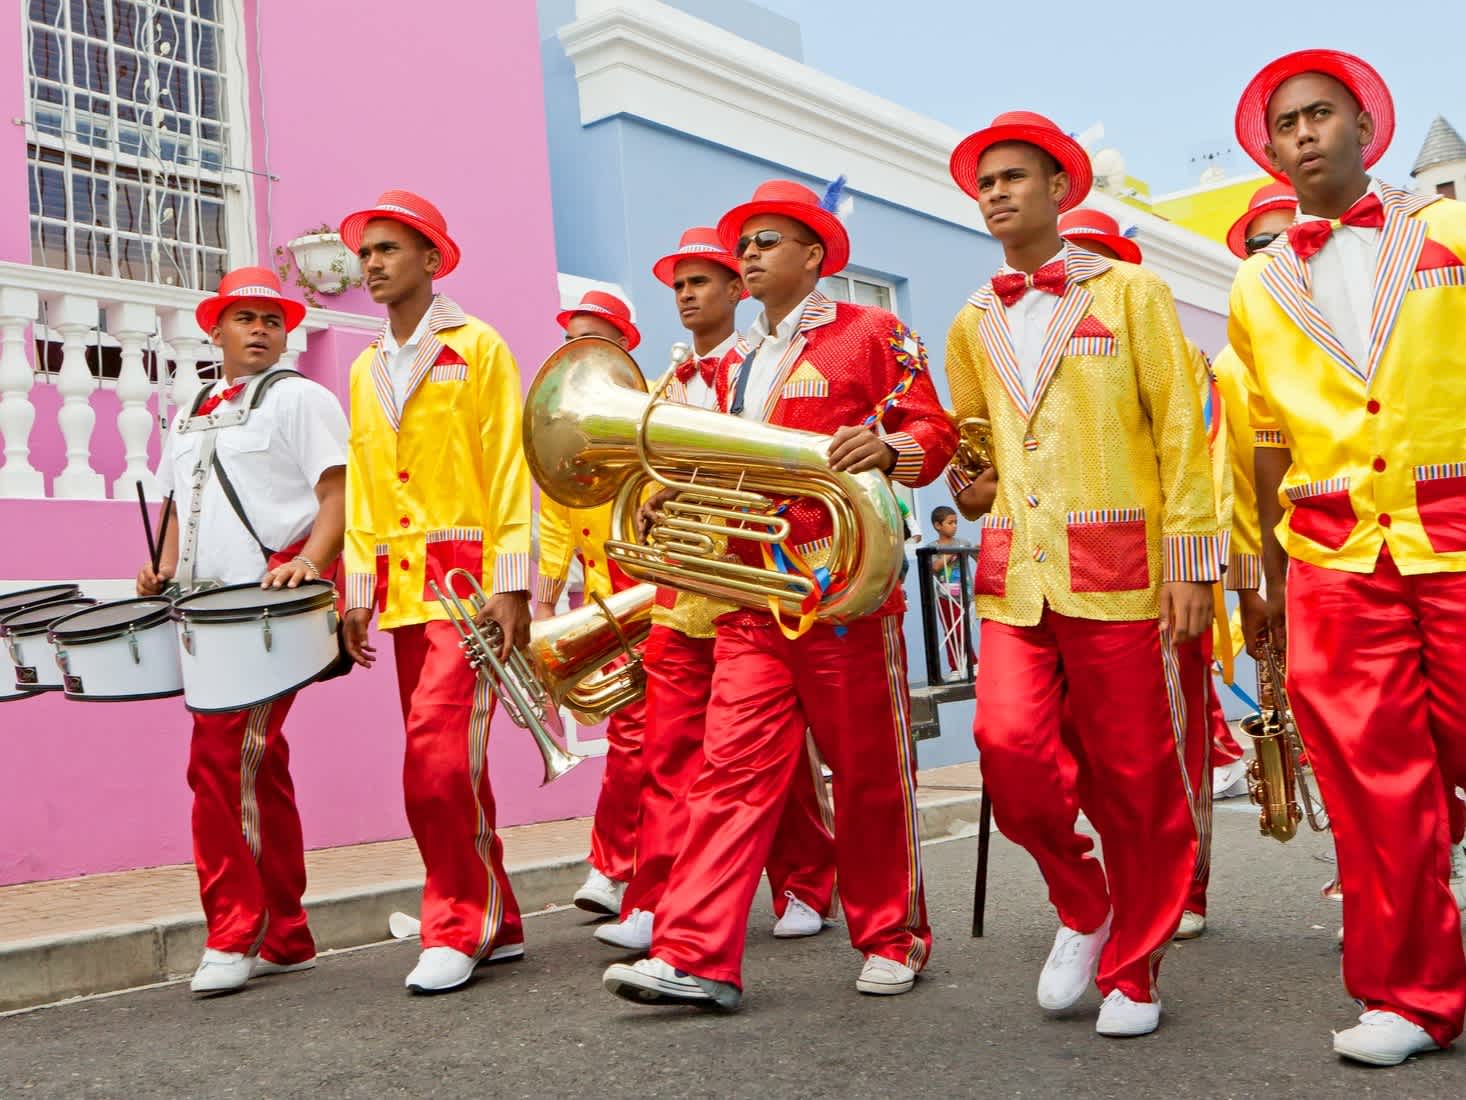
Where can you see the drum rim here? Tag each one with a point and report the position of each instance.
(6, 630)
(311, 601)
(75, 590)
(84, 698)
(59, 633)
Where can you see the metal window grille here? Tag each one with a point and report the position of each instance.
(128, 127)
(860, 289)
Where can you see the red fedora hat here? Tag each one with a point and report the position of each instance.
(248, 284)
(1086, 225)
(411, 210)
(608, 307)
(792, 200)
(699, 243)
(1356, 74)
(1032, 129)
(1272, 196)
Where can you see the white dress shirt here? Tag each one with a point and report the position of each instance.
(399, 358)
(699, 393)
(765, 353)
(1028, 321)
(274, 460)
(1342, 274)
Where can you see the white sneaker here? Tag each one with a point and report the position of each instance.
(440, 969)
(267, 967)
(1458, 874)
(885, 976)
(632, 934)
(223, 971)
(798, 920)
(1191, 926)
(1382, 1039)
(653, 982)
(1070, 967)
(1230, 780)
(600, 894)
(1120, 1017)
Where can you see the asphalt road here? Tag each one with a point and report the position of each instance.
(1248, 1012)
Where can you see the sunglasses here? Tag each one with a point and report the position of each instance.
(1259, 242)
(764, 239)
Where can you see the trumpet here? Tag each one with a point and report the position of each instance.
(974, 446)
(513, 681)
(1275, 775)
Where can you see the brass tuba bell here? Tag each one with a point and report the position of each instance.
(974, 446)
(587, 659)
(592, 433)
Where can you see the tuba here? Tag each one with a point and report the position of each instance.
(1275, 775)
(974, 446)
(592, 433)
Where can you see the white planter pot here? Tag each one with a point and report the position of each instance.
(327, 264)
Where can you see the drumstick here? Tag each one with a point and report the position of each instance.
(162, 532)
(142, 503)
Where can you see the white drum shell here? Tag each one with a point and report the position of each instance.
(226, 666)
(107, 670)
(37, 652)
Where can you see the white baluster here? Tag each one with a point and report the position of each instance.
(295, 343)
(75, 318)
(132, 324)
(18, 478)
(187, 341)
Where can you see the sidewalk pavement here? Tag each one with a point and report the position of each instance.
(100, 933)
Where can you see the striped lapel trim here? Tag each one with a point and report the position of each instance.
(997, 341)
(818, 312)
(1286, 279)
(1079, 267)
(1400, 243)
(442, 315)
(1408, 203)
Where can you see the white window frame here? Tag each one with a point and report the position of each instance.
(234, 176)
(848, 278)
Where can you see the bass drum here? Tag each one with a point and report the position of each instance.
(11, 602)
(244, 645)
(120, 651)
(24, 634)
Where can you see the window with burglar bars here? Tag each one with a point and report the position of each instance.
(129, 126)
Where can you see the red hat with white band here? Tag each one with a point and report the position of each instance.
(794, 200)
(1031, 129)
(1086, 226)
(1356, 74)
(248, 284)
(699, 243)
(608, 307)
(1272, 196)
(411, 210)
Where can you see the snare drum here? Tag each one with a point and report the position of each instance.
(11, 602)
(119, 651)
(244, 645)
(30, 650)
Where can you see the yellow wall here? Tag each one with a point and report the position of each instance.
(1210, 212)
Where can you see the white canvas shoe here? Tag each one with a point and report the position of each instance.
(1230, 780)
(600, 894)
(1071, 965)
(440, 969)
(1122, 1018)
(653, 982)
(885, 977)
(1382, 1039)
(632, 934)
(1191, 926)
(1458, 873)
(798, 920)
(267, 967)
(223, 971)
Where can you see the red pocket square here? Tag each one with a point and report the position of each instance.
(1092, 326)
(447, 357)
(1435, 255)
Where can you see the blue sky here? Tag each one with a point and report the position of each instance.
(1163, 79)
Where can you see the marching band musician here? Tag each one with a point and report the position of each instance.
(567, 533)
(1349, 327)
(827, 367)
(1094, 566)
(1096, 231)
(437, 480)
(282, 449)
(707, 286)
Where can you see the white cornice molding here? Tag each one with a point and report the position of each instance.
(645, 59)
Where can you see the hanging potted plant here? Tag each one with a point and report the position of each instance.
(323, 264)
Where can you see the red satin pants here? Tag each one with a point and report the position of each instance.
(247, 844)
(467, 902)
(1129, 734)
(1375, 676)
(679, 682)
(848, 688)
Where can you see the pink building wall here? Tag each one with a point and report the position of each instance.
(91, 788)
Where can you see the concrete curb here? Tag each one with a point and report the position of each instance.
(105, 960)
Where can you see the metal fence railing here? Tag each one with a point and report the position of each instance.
(944, 580)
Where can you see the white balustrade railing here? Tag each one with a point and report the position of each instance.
(144, 322)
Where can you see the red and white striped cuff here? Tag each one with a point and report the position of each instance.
(511, 573)
(1190, 558)
(547, 589)
(360, 588)
(957, 480)
(910, 457)
(1244, 572)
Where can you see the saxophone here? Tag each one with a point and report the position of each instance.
(1276, 781)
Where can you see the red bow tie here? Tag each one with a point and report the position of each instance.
(1308, 237)
(1011, 286)
(704, 366)
(212, 403)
